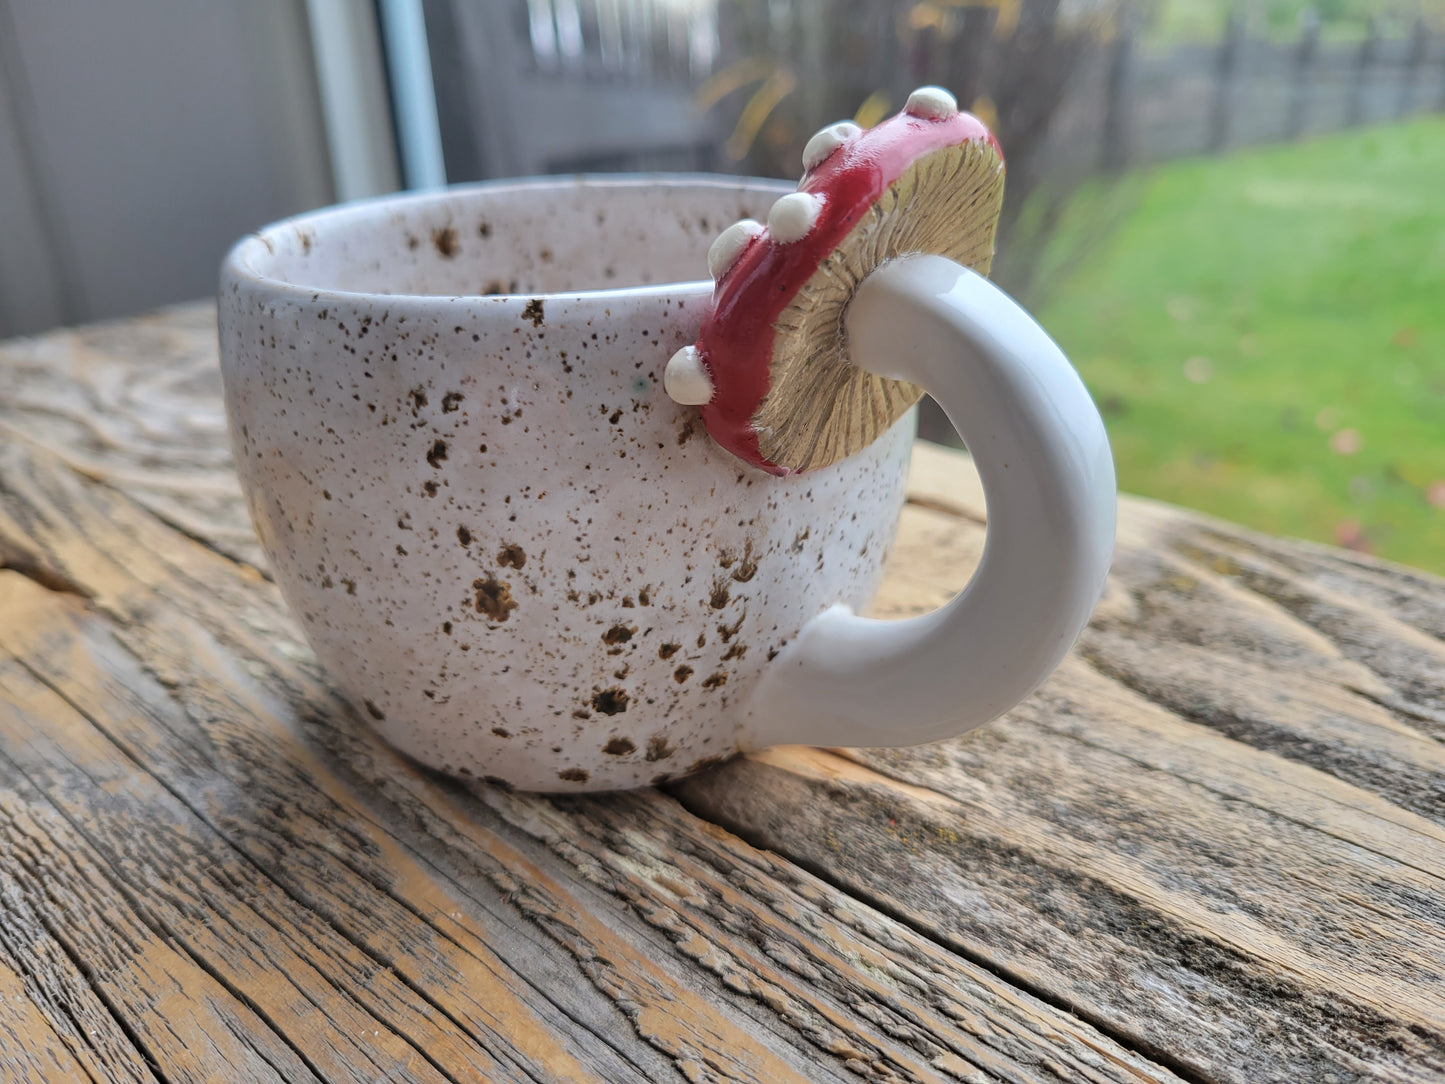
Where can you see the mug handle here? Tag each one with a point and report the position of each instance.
(1048, 477)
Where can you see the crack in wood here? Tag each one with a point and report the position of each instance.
(46, 578)
(948, 508)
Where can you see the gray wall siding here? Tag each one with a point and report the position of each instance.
(142, 138)
(31, 297)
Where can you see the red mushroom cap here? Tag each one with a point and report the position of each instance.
(913, 183)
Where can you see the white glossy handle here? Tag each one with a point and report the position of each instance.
(1041, 451)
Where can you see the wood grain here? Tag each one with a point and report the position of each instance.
(1218, 832)
(212, 870)
(1210, 848)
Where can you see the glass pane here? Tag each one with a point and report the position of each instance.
(1231, 222)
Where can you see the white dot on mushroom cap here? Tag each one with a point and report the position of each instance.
(827, 140)
(931, 103)
(724, 252)
(792, 216)
(685, 379)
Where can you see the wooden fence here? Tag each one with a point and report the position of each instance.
(551, 85)
(1130, 104)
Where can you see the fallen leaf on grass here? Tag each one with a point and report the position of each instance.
(1351, 535)
(1180, 309)
(1198, 370)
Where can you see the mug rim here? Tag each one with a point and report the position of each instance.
(237, 266)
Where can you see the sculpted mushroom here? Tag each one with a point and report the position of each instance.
(770, 368)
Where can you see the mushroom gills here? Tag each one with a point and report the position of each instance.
(819, 407)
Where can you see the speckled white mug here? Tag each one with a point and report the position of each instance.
(522, 561)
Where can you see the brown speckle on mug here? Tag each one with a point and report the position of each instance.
(445, 242)
(718, 598)
(748, 567)
(611, 701)
(494, 598)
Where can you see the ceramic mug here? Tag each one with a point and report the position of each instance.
(522, 561)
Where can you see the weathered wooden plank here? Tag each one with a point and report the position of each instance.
(1218, 832)
(140, 1005)
(34, 1050)
(53, 1025)
(171, 714)
(1325, 657)
(1219, 998)
(223, 913)
(1216, 836)
(381, 972)
(137, 404)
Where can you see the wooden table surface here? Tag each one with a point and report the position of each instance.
(1210, 849)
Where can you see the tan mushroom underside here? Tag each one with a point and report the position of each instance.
(820, 407)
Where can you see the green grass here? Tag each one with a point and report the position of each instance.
(1265, 333)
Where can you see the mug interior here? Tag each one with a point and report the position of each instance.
(583, 234)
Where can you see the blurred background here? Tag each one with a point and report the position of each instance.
(1231, 216)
